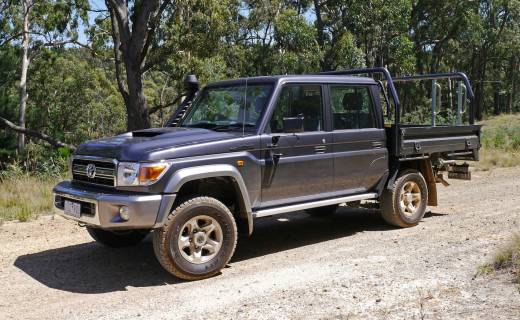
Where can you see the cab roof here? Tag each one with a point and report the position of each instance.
(308, 78)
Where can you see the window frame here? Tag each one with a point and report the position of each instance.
(272, 92)
(374, 110)
(324, 107)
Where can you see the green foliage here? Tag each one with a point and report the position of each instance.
(500, 140)
(73, 94)
(72, 98)
(70, 90)
(502, 133)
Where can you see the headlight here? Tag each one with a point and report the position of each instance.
(140, 174)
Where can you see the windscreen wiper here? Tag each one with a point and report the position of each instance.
(202, 124)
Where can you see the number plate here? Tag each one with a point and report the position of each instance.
(72, 209)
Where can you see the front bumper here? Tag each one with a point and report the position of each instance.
(101, 209)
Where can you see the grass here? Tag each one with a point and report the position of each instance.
(24, 196)
(506, 259)
(500, 142)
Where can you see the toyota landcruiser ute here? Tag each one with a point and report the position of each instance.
(239, 150)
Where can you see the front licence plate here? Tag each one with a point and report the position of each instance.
(72, 209)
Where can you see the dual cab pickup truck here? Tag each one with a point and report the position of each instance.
(239, 150)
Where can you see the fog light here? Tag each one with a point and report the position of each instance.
(124, 213)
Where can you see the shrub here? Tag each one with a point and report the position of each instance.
(506, 259)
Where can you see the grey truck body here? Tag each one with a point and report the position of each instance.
(260, 172)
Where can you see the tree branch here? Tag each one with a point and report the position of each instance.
(153, 26)
(140, 31)
(119, 15)
(42, 136)
(10, 38)
(159, 54)
(169, 104)
(97, 10)
(117, 55)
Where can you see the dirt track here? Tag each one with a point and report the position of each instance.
(351, 266)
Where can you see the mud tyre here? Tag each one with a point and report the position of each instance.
(197, 240)
(404, 204)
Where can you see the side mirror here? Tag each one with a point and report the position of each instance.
(293, 124)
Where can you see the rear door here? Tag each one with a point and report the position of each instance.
(360, 153)
(298, 166)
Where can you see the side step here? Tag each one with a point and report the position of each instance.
(314, 204)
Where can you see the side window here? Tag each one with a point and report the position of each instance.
(295, 101)
(352, 107)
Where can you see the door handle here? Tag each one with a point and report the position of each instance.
(320, 149)
(377, 144)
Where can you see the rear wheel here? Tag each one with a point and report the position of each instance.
(322, 211)
(404, 204)
(117, 239)
(197, 240)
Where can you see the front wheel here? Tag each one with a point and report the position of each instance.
(117, 239)
(404, 204)
(197, 240)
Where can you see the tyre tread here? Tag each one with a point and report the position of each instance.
(389, 210)
(160, 238)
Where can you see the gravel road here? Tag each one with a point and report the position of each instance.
(350, 266)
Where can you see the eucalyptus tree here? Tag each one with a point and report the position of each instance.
(371, 33)
(163, 40)
(34, 25)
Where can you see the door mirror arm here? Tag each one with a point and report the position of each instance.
(275, 140)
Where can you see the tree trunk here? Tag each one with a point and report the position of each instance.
(481, 65)
(26, 7)
(136, 106)
(132, 35)
(320, 35)
(512, 83)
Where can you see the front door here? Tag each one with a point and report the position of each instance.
(298, 166)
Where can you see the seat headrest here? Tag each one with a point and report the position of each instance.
(309, 106)
(260, 103)
(353, 101)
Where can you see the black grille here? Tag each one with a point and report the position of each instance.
(87, 208)
(105, 172)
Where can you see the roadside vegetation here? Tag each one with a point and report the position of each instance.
(500, 142)
(506, 259)
(25, 194)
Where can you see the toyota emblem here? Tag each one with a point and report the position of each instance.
(91, 170)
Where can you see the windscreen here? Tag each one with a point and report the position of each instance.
(229, 108)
